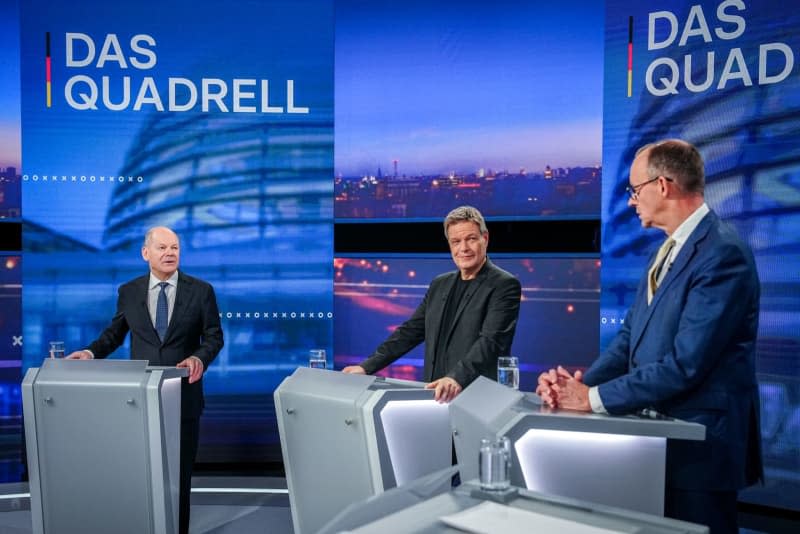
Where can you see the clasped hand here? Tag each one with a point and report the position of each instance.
(559, 389)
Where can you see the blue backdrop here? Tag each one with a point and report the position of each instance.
(218, 120)
(725, 79)
(557, 317)
(215, 120)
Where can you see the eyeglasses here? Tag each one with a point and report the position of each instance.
(633, 190)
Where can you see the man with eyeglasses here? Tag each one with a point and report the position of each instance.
(687, 346)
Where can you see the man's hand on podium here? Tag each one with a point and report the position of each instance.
(446, 389)
(80, 355)
(544, 387)
(354, 370)
(195, 366)
(572, 393)
(558, 388)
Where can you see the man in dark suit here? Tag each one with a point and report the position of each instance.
(687, 346)
(466, 319)
(173, 320)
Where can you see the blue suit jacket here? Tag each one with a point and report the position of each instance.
(690, 354)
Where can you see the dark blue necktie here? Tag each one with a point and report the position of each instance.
(162, 311)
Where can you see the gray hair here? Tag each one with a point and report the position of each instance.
(148, 236)
(678, 160)
(464, 214)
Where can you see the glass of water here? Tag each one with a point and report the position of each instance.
(317, 359)
(495, 464)
(56, 349)
(508, 371)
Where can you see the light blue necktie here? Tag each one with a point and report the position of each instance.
(162, 311)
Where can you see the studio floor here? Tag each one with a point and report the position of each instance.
(250, 505)
(220, 505)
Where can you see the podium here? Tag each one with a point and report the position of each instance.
(614, 460)
(103, 444)
(346, 437)
(424, 507)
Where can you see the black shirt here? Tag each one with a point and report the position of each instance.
(451, 307)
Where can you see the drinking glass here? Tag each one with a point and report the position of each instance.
(495, 464)
(316, 359)
(56, 349)
(508, 371)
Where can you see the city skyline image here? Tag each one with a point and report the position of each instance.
(466, 88)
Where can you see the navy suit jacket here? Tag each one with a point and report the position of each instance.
(690, 354)
(482, 329)
(194, 330)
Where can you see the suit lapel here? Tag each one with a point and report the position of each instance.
(182, 296)
(437, 311)
(142, 293)
(681, 263)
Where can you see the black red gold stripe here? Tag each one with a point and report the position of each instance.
(48, 78)
(630, 56)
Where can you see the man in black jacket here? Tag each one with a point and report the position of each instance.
(467, 318)
(173, 320)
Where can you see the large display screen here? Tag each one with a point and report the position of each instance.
(557, 318)
(10, 261)
(723, 76)
(496, 104)
(10, 156)
(10, 390)
(216, 121)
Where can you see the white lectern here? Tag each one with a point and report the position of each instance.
(103, 443)
(617, 461)
(347, 437)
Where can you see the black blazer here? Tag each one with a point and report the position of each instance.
(482, 330)
(194, 330)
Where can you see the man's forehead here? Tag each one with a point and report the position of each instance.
(464, 227)
(164, 239)
(639, 166)
(641, 159)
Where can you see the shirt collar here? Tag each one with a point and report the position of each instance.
(682, 232)
(172, 280)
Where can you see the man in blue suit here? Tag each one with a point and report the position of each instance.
(687, 346)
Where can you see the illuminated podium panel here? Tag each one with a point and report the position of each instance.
(345, 438)
(103, 444)
(430, 506)
(612, 460)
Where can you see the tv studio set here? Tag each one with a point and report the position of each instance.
(371, 266)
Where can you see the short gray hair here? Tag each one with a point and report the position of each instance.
(678, 160)
(148, 236)
(465, 214)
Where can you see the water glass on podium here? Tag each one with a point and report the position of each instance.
(495, 464)
(56, 349)
(508, 371)
(317, 359)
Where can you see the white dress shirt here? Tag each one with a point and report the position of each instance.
(152, 295)
(680, 235)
